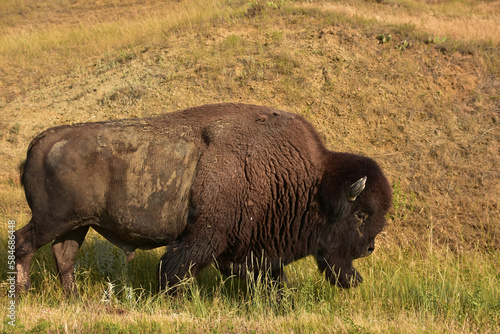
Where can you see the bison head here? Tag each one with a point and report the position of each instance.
(355, 197)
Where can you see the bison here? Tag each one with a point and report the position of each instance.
(223, 182)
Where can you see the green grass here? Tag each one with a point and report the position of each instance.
(437, 291)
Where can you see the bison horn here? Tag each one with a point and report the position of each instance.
(356, 189)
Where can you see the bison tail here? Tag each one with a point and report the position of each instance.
(21, 171)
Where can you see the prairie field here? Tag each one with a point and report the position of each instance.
(413, 84)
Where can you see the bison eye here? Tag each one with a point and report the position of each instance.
(361, 216)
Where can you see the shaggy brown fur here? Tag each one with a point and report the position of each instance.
(222, 182)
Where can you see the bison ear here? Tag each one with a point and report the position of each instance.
(356, 189)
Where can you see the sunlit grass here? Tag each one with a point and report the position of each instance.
(460, 20)
(63, 44)
(448, 292)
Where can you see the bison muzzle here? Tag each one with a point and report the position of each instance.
(222, 182)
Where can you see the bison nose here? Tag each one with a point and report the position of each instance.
(371, 249)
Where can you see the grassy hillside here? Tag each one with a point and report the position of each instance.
(413, 84)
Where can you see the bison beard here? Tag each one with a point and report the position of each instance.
(225, 183)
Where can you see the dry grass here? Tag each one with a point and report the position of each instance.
(428, 113)
(50, 37)
(468, 20)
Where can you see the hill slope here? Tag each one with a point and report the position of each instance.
(428, 113)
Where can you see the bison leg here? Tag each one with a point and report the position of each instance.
(273, 275)
(25, 250)
(254, 271)
(184, 257)
(64, 250)
(279, 276)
